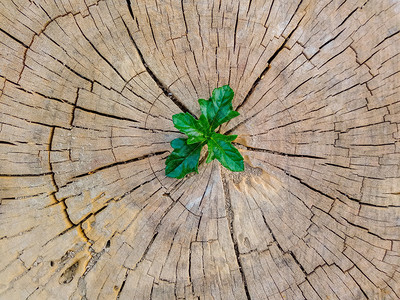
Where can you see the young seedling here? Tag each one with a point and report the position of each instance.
(215, 111)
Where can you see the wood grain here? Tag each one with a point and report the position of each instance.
(87, 93)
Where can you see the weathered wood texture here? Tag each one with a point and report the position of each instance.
(87, 92)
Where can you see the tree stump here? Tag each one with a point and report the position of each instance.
(88, 89)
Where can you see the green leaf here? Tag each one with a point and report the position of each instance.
(218, 109)
(204, 124)
(215, 111)
(220, 147)
(184, 159)
(190, 126)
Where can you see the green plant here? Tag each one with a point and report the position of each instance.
(215, 111)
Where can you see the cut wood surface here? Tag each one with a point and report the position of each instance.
(87, 93)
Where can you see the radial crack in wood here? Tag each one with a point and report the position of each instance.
(87, 93)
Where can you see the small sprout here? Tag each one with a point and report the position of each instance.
(215, 111)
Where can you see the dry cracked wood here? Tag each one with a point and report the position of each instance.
(87, 92)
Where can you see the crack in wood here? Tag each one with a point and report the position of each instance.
(14, 38)
(306, 184)
(236, 25)
(120, 163)
(279, 153)
(50, 148)
(123, 282)
(230, 217)
(159, 83)
(106, 115)
(281, 249)
(263, 73)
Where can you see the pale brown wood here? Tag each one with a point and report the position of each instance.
(87, 92)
